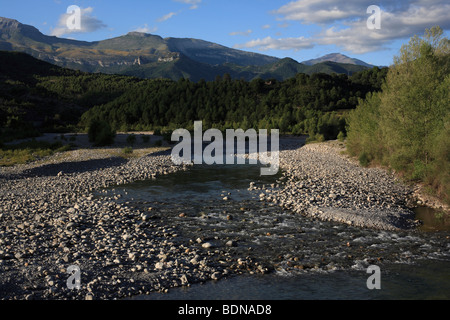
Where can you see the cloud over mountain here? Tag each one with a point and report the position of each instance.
(88, 23)
(344, 23)
(270, 43)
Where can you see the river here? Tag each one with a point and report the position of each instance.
(308, 259)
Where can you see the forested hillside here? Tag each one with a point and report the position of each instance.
(406, 126)
(306, 104)
(39, 96)
(36, 96)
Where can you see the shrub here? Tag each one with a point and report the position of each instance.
(131, 139)
(157, 132)
(364, 159)
(100, 133)
(127, 150)
(320, 138)
(419, 170)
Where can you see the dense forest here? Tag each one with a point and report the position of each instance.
(37, 96)
(306, 104)
(397, 117)
(406, 126)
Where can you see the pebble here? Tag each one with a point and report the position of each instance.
(159, 266)
(65, 224)
(207, 245)
(231, 243)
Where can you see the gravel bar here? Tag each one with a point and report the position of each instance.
(321, 182)
(50, 220)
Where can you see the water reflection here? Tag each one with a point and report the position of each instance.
(432, 219)
(426, 281)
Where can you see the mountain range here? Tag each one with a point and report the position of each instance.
(151, 56)
(339, 58)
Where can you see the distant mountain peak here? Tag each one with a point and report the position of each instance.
(339, 58)
(140, 34)
(11, 25)
(7, 22)
(151, 56)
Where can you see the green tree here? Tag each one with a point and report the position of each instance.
(100, 133)
(363, 132)
(406, 125)
(412, 108)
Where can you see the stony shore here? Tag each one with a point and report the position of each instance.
(50, 220)
(321, 182)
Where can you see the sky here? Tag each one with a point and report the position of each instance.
(299, 29)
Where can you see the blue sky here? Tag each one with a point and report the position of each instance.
(300, 29)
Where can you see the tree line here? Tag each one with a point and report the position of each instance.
(406, 125)
(306, 104)
(37, 96)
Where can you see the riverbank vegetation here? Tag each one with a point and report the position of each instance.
(30, 151)
(39, 97)
(396, 117)
(406, 126)
(315, 105)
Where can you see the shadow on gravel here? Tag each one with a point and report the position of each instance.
(51, 170)
(160, 153)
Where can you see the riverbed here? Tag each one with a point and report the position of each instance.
(304, 257)
(144, 228)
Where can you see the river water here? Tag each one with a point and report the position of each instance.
(309, 259)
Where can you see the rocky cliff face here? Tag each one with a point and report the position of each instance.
(151, 56)
(135, 48)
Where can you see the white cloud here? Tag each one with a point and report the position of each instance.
(357, 38)
(146, 29)
(270, 43)
(344, 23)
(283, 25)
(88, 23)
(321, 11)
(167, 16)
(193, 3)
(242, 33)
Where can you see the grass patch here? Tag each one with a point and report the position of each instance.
(29, 151)
(364, 159)
(127, 150)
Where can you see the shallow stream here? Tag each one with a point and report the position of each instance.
(309, 259)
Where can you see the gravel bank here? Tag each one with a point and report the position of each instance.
(319, 181)
(51, 220)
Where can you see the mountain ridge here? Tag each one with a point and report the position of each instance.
(151, 56)
(338, 58)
